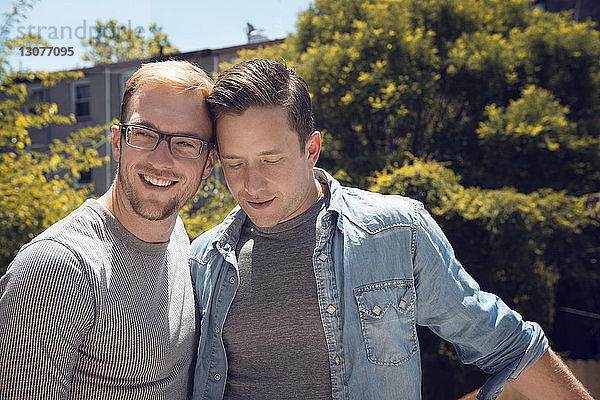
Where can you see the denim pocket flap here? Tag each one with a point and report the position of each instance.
(375, 299)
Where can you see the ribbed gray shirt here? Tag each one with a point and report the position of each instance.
(87, 310)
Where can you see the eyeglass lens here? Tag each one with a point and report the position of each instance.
(148, 140)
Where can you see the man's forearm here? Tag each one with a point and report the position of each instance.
(549, 378)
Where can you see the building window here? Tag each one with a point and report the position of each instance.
(85, 177)
(82, 101)
(35, 96)
(40, 137)
(123, 78)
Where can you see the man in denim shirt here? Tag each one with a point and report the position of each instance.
(318, 292)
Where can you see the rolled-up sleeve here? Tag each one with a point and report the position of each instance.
(537, 347)
(483, 329)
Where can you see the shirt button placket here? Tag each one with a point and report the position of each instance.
(332, 323)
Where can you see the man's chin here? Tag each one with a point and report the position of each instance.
(156, 212)
(261, 221)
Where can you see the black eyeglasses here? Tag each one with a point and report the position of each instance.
(144, 138)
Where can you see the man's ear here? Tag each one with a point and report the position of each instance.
(210, 163)
(313, 147)
(116, 142)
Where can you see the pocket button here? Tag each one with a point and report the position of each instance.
(402, 304)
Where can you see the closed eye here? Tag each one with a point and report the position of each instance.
(272, 161)
(141, 132)
(233, 165)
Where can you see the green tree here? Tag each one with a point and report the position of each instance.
(395, 76)
(115, 42)
(36, 188)
(7, 43)
(532, 143)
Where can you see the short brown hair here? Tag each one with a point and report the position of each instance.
(175, 75)
(263, 83)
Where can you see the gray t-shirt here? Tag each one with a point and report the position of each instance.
(273, 333)
(89, 311)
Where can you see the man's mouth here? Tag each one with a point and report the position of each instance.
(260, 204)
(162, 182)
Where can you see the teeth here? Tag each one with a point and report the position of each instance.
(157, 181)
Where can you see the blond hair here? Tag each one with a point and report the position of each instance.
(180, 76)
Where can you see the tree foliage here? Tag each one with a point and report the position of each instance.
(116, 42)
(36, 188)
(435, 77)
(532, 143)
(8, 44)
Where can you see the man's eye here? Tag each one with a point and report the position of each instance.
(272, 161)
(141, 132)
(185, 143)
(234, 165)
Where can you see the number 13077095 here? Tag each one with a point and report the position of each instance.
(46, 51)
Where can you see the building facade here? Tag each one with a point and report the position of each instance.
(582, 9)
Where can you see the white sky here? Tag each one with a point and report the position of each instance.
(190, 25)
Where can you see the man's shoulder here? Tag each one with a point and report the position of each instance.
(65, 241)
(227, 231)
(84, 221)
(202, 242)
(44, 256)
(375, 211)
(43, 266)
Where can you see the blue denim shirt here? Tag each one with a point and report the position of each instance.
(382, 266)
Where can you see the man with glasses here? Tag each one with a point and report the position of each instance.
(101, 305)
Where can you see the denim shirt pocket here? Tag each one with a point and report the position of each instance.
(387, 319)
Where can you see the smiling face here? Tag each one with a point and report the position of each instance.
(267, 171)
(154, 185)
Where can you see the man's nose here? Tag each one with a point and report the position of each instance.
(161, 156)
(254, 182)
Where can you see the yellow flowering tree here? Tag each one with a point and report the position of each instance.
(36, 188)
(433, 77)
(115, 42)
